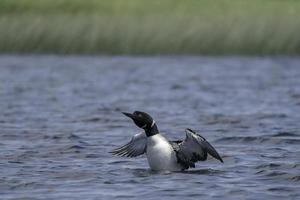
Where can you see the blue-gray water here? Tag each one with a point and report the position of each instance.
(60, 116)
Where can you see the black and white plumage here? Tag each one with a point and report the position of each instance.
(161, 153)
(136, 146)
(193, 149)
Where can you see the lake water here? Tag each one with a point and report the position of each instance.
(60, 116)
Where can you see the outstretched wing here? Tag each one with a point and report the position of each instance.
(136, 146)
(194, 148)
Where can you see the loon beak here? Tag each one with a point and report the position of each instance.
(129, 115)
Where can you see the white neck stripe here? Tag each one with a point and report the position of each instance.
(153, 122)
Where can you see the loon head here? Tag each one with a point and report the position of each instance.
(144, 121)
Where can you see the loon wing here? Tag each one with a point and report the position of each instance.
(136, 146)
(194, 148)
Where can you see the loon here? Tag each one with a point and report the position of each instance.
(161, 153)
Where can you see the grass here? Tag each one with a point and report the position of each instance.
(259, 27)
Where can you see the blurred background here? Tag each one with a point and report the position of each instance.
(150, 27)
(228, 69)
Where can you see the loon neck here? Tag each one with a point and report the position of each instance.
(152, 131)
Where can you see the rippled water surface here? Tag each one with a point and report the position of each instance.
(60, 116)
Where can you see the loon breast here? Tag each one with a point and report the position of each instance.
(160, 154)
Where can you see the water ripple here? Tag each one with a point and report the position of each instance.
(60, 116)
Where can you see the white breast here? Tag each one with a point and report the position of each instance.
(160, 154)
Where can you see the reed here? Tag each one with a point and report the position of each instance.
(150, 27)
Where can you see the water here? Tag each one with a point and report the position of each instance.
(61, 115)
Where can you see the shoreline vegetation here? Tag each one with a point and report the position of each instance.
(196, 27)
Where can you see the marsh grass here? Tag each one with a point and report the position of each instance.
(150, 27)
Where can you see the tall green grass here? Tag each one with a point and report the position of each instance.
(150, 27)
